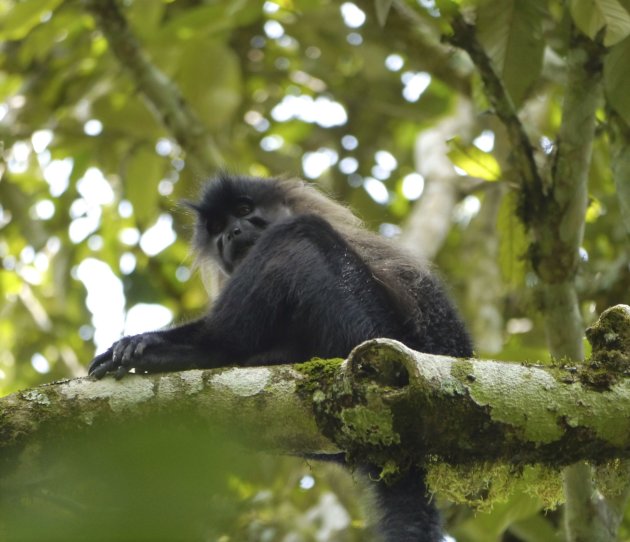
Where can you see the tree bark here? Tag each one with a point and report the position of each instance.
(386, 402)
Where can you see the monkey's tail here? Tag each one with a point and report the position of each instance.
(406, 513)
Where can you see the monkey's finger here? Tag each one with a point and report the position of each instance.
(121, 371)
(128, 354)
(100, 371)
(119, 350)
(140, 347)
(99, 360)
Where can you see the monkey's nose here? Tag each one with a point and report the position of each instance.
(235, 231)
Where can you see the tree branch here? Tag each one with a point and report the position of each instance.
(385, 403)
(440, 60)
(559, 231)
(620, 143)
(554, 213)
(430, 221)
(262, 401)
(163, 97)
(523, 152)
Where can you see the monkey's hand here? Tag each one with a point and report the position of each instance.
(134, 352)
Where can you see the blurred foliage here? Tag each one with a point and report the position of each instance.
(173, 481)
(317, 89)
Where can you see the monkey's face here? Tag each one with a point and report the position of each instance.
(228, 227)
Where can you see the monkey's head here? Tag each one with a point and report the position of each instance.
(232, 214)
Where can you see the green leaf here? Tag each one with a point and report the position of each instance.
(511, 33)
(382, 10)
(9, 85)
(207, 20)
(122, 110)
(590, 16)
(587, 17)
(144, 171)
(513, 241)
(23, 17)
(617, 78)
(473, 161)
(218, 102)
(594, 210)
(41, 40)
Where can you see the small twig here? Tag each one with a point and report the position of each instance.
(464, 37)
(439, 59)
(165, 99)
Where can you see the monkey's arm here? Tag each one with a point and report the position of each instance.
(301, 292)
(173, 349)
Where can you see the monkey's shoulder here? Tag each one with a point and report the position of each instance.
(304, 223)
(303, 227)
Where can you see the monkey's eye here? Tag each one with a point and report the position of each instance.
(243, 208)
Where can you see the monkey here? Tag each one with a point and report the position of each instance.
(305, 279)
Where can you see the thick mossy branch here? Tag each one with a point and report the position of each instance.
(473, 410)
(261, 401)
(610, 340)
(386, 404)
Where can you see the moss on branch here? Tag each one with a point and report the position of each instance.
(386, 405)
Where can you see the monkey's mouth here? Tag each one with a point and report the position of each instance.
(235, 253)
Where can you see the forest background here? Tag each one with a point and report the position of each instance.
(111, 113)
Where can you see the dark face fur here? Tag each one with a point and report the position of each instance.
(231, 216)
